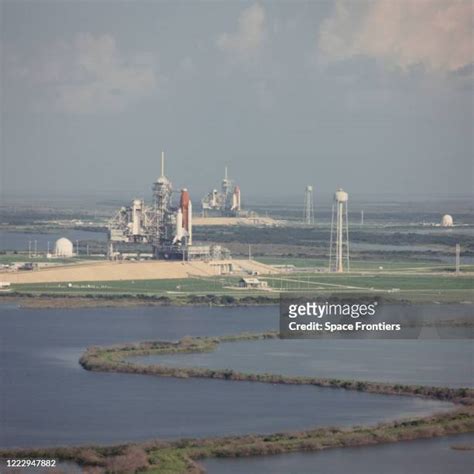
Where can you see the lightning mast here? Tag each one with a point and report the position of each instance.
(308, 214)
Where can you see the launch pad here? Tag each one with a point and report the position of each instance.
(223, 203)
(161, 225)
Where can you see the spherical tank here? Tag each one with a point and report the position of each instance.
(63, 248)
(447, 221)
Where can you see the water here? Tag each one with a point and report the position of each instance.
(19, 241)
(427, 362)
(48, 399)
(432, 456)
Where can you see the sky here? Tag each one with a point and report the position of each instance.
(372, 96)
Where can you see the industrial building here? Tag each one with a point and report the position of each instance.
(225, 202)
(252, 283)
(163, 226)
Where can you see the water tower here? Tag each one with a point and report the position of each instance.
(339, 244)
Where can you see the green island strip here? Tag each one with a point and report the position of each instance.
(114, 359)
(183, 456)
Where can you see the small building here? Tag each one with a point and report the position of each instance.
(251, 282)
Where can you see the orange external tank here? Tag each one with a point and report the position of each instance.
(184, 206)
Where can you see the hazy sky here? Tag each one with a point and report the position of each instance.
(373, 96)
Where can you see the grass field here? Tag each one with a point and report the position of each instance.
(438, 287)
(363, 265)
(399, 265)
(133, 287)
(295, 281)
(7, 259)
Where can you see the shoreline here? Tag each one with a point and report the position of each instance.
(114, 359)
(183, 456)
(33, 301)
(123, 300)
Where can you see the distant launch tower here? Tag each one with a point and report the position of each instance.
(225, 202)
(339, 243)
(308, 206)
(226, 184)
(162, 194)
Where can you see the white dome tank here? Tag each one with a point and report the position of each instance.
(63, 248)
(447, 221)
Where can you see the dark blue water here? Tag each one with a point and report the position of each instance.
(427, 362)
(432, 456)
(48, 399)
(20, 240)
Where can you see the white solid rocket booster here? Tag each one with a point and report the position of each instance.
(190, 223)
(236, 199)
(179, 225)
(136, 217)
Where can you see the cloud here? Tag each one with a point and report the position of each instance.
(246, 42)
(187, 66)
(437, 34)
(90, 74)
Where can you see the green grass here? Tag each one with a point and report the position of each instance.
(438, 287)
(296, 261)
(328, 281)
(357, 265)
(133, 287)
(7, 259)
(168, 461)
(21, 258)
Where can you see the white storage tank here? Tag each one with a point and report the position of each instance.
(63, 248)
(447, 221)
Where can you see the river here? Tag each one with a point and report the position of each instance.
(48, 399)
